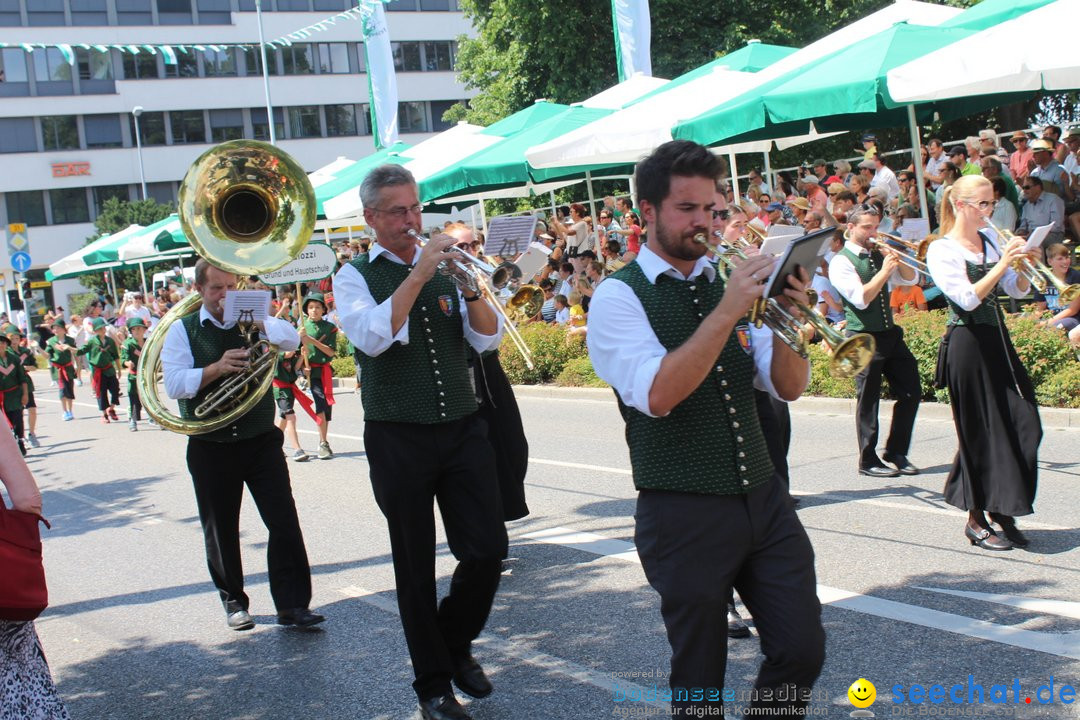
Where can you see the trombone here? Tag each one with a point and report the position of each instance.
(473, 274)
(849, 356)
(1036, 272)
(912, 254)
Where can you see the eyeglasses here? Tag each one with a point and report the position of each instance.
(399, 211)
(1030, 187)
(721, 214)
(983, 204)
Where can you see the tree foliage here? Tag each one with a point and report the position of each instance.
(116, 215)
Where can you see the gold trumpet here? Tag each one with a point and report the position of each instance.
(1037, 272)
(849, 356)
(913, 254)
(248, 208)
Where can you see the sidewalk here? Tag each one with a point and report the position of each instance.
(1051, 417)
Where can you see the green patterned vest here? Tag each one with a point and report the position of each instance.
(877, 315)
(711, 443)
(988, 312)
(208, 343)
(426, 381)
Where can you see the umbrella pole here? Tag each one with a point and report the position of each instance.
(472, 217)
(483, 219)
(551, 195)
(588, 186)
(768, 172)
(916, 160)
(734, 176)
(142, 273)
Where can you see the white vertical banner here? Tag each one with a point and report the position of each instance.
(633, 37)
(382, 82)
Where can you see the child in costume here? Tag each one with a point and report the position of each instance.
(60, 349)
(104, 357)
(129, 358)
(319, 337)
(12, 389)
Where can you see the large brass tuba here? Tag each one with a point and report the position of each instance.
(247, 208)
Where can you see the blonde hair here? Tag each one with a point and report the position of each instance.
(575, 298)
(960, 191)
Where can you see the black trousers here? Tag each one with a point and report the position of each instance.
(894, 360)
(15, 419)
(411, 466)
(219, 472)
(775, 419)
(693, 549)
(110, 387)
(499, 409)
(134, 403)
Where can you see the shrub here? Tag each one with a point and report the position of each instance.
(1043, 351)
(551, 350)
(1061, 388)
(821, 382)
(579, 373)
(342, 362)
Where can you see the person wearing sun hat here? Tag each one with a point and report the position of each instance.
(103, 354)
(13, 392)
(319, 337)
(28, 362)
(130, 352)
(60, 349)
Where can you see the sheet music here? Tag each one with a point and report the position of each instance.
(914, 229)
(508, 236)
(1037, 236)
(255, 301)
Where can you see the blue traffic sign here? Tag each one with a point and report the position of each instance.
(20, 261)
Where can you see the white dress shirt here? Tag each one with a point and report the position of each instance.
(624, 349)
(946, 259)
(183, 379)
(368, 324)
(847, 282)
(886, 178)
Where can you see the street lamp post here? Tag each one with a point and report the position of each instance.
(136, 112)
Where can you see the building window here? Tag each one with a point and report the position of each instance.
(94, 65)
(13, 75)
(143, 66)
(59, 132)
(220, 63)
(438, 109)
(406, 56)
(186, 66)
(333, 58)
(214, 12)
(253, 61)
(151, 128)
(334, 4)
(438, 56)
(26, 207)
(304, 121)
(133, 12)
(174, 12)
(102, 131)
(340, 120)
(363, 120)
(296, 60)
(102, 193)
(89, 12)
(401, 5)
(45, 12)
(187, 126)
(69, 205)
(412, 117)
(226, 125)
(434, 4)
(261, 130)
(17, 135)
(162, 192)
(50, 66)
(9, 13)
(295, 5)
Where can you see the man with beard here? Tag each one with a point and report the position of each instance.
(710, 515)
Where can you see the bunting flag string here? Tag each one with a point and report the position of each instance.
(364, 10)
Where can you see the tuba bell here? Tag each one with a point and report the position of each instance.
(247, 208)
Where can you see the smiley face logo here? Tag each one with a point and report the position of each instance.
(862, 693)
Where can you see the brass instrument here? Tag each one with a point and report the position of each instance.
(473, 274)
(912, 254)
(247, 208)
(849, 356)
(757, 234)
(1037, 272)
(526, 302)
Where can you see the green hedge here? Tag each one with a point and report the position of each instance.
(342, 362)
(552, 348)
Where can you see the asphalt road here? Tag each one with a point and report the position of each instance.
(135, 629)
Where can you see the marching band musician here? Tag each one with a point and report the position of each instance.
(198, 350)
(861, 273)
(992, 399)
(423, 435)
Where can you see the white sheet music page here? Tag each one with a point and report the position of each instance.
(240, 301)
(1037, 237)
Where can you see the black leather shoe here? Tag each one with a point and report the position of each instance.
(902, 464)
(1006, 526)
(239, 620)
(986, 539)
(300, 617)
(879, 471)
(471, 680)
(736, 626)
(444, 707)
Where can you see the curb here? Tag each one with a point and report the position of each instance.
(1051, 417)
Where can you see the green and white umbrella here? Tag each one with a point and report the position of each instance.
(97, 256)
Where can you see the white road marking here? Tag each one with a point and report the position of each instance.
(1061, 644)
(1062, 608)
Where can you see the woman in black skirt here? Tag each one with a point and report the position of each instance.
(993, 401)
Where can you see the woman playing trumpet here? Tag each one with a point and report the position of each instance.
(993, 401)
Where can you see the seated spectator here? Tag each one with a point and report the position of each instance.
(564, 282)
(1059, 258)
(562, 310)
(843, 171)
(843, 201)
(988, 147)
(959, 157)
(631, 230)
(1021, 158)
(950, 173)
(1041, 208)
(548, 309)
(1049, 171)
(578, 318)
(904, 297)
(1004, 216)
(859, 187)
(813, 220)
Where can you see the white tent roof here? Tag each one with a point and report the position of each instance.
(75, 262)
(142, 246)
(625, 92)
(1034, 51)
(328, 172)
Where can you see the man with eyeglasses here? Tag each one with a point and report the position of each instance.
(607, 225)
(1020, 160)
(1041, 208)
(1048, 170)
(423, 435)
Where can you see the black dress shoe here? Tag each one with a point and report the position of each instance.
(986, 539)
(879, 471)
(1006, 525)
(239, 620)
(300, 617)
(902, 464)
(471, 680)
(736, 626)
(444, 707)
